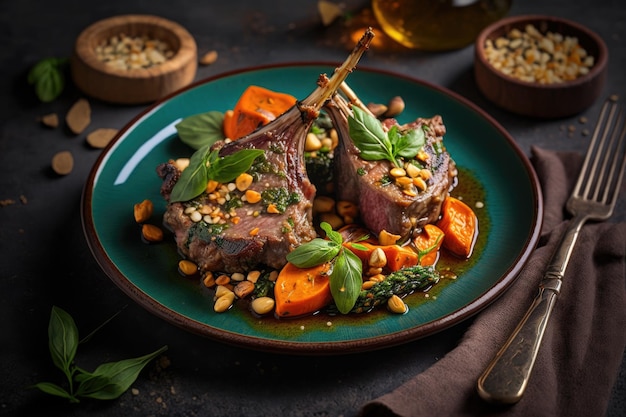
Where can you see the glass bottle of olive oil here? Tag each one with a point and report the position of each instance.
(435, 25)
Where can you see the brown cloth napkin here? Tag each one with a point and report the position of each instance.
(584, 342)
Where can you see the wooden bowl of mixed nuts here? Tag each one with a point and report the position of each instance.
(133, 59)
(540, 66)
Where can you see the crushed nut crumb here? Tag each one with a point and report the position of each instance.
(125, 52)
(534, 57)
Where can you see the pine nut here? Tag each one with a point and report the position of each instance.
(323, 204)
(220, 290)
(224, 302)
(263, 305)
(396, 305)
(312, 143)
(397, 172)
(209, 280)
(187, 267)
(222, 280)
(253, 276)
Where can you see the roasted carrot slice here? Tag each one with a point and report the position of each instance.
(459, 224)
(300, 291)
(256, 107)
(428, 243)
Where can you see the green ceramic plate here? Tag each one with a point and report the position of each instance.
(125, 174)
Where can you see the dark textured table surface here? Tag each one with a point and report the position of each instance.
(45, 261)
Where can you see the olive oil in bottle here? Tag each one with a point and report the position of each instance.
(435, 25)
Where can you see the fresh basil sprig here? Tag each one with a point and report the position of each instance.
(376, 144)
(107, 382)
(47, 78)
(206, 164)
(346, 276)
(201, 129)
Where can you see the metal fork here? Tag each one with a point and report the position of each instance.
(593, 198)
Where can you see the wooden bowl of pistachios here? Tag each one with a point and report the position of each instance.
(133, 59)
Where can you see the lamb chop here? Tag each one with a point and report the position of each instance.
(400, 208)
(258, 233)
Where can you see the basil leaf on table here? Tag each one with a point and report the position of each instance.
(110, 380)
(62, 340)
(47, 78)
(54, 389)
(201, 129)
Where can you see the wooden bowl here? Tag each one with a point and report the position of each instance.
(552, 100)
(138, 85)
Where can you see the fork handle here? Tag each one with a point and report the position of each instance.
(506, 377)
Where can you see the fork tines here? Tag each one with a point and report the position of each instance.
(603, 169)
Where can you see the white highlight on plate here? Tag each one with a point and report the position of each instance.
(144, 150)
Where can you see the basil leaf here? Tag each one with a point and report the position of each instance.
(201, 129)
(407, 144)
(193, 180)
(62, 339)
(89, 383)
(54, 389)
(368, 135)
(346, 280)
(331, 234)
(231, 166)
(47, 78)
(110, 380)
(313, 253)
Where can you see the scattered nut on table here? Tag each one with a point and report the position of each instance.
(79, 116)
(101, 137)
(209, 58)
(63, 162)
